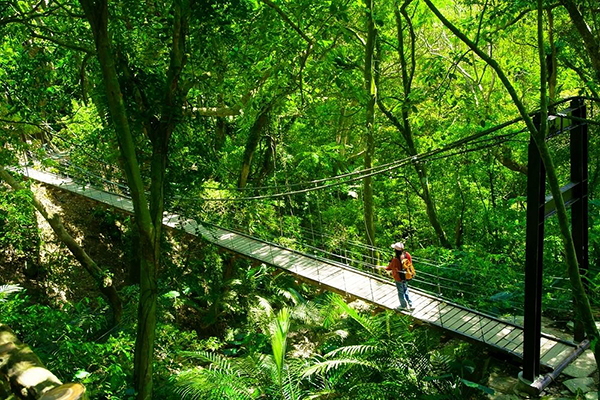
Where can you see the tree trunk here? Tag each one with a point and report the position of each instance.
(370, 124)
(551, 62)
(591, 44)
(97, 14)
(102, 279)
(252, 143)
(220, 133)
(504, 157)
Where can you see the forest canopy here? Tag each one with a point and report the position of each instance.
(333, 129)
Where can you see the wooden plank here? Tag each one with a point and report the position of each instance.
(558, 359)
(326, 273)
(301, 266)
(477, 326)
(244, 245)
(494, 332)
(419, 302)
(443, 309)
(366, 289)
(383, 291)
(500, 337)
(458, 319)
(333, 279)
(516, 345)
(351, 283)
(468, 322)
(286, 260)
(391, 301)
(421, 312)
(264, 251)
(545, 345)
(231, 241)
(448, 315)
(433, 313)
(423, 304)
(551, 355)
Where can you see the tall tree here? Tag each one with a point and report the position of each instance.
(371, 90)
(148, 212)
(403, 23)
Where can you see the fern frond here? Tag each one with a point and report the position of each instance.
(307, 313)
(216, 360)
(440, 363)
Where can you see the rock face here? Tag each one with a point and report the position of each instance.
(584, 384)
(583, 366)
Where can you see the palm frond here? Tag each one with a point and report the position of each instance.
(367, 323)
(292, 295)
(5, 290)
(329, 365)
(200, 384)
(351, 351)
(264, 306)
(308, 313)
(279, 338)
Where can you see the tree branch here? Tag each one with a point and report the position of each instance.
(591, 44)
(237, 109)
(288, 20)
(63, 43)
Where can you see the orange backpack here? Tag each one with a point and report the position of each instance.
(408, 269)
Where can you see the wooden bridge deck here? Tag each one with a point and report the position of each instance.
(463, 321)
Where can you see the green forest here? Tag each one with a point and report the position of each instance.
(327, 130)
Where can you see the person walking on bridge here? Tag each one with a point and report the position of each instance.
(399, 274)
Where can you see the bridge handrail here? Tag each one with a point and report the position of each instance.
(386, 281)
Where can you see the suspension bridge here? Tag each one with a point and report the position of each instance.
(341, 278)
(350, 275)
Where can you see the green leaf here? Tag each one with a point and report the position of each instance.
(476, 385)
(81, 374)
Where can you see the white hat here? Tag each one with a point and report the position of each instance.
(398, 246)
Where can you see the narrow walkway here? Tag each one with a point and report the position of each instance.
(340, 278)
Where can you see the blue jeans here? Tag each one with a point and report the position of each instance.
(402, 287)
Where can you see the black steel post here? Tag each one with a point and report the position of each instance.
(579, 209)
(536, 188)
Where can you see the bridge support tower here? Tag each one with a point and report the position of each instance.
(540, 207)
